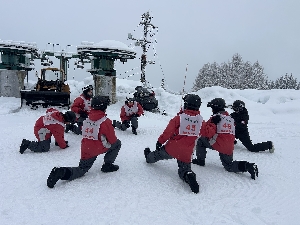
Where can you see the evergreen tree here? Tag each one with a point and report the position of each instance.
(287, 82)
(235, 75)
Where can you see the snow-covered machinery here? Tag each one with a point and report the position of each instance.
(50, 89)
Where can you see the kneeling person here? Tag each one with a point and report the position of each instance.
(241, 118)
(98, 137)
(129, 114)
(221, 138)
(53, 123)
(179, 139)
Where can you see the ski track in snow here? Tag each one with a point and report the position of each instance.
(140, 193)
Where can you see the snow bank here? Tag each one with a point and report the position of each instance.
(262, 103)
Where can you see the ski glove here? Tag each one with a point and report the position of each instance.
(216, 119)
(135, 115)
(158, 146)
(83, 114)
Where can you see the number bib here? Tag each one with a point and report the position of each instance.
(133, 109)
(48, 119)
(87, 104)
(226, 125)
(190, 125)
(90, 129)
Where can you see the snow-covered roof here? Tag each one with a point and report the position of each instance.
(107, 46)
(18, 45)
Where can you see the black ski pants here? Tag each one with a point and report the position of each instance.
(161, 154)
(40, 146)
(134, 124)
(85, 164)
(244, 137)
(227, 160)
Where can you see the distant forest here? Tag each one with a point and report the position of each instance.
(237, 74)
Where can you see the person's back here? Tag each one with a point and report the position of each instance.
(179, 139)
(222, 140)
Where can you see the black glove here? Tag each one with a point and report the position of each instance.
(235, 142)
(135, 115)
(216, 119)
(83, 114)
(158, 146)
(126, 123)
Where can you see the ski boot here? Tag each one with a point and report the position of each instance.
(109, 167)
(271, 147)
(252, 169)
(200, 162)
(134, 130)
(146, 153)
(25, 144)
(55, 175)
(190, 178)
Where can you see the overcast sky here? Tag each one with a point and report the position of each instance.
(189, 32)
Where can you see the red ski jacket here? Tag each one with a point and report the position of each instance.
(57, 129)
(81, 103)
(123, 115)
(223, 143)
(105, 133)
(179, 146)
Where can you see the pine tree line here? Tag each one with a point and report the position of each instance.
(237, 74)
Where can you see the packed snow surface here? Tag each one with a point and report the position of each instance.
(140, 193)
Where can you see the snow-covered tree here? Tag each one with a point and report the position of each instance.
(287, 82)
(235, 75)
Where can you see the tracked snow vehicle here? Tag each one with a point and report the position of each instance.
(146, 98)
(50, 90)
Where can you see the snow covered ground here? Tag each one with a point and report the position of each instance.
(140, 193)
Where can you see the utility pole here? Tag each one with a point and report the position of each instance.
(146, 23)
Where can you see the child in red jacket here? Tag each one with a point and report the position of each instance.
(81, 107)
(179, 139)
(53, 123)
(222, 140)
(98, 137)
(129, 114)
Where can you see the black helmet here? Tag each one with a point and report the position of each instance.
(192, 102)
(86, 89)
(238, 105)
(100, 102)
(69, 116)
(217, 103)
(184, 97)
(129, 100)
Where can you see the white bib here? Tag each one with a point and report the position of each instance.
(90, 129)
(134, 109)
(190, 125)
(87, 104)
(226, 125)
(48, 119)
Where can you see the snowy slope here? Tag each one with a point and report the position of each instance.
(153, 194)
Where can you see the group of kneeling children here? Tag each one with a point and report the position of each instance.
(186, 132)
